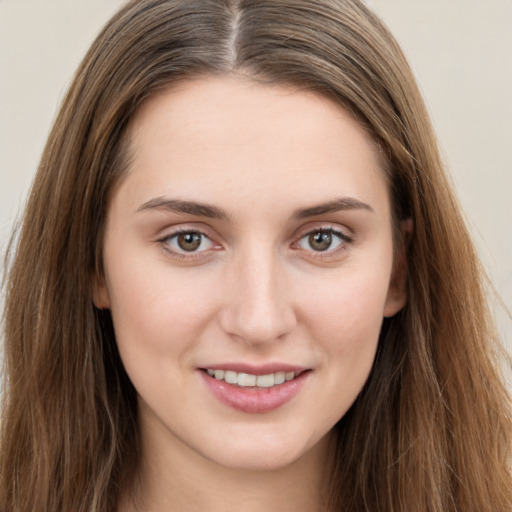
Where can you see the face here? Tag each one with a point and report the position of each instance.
(248, 265)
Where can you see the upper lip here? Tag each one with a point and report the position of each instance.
(257, 369)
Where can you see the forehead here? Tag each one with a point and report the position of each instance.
(231, 137)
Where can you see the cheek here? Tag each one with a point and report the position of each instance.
(156, 311)
(345, 318)
(158, 323)
(349, 305)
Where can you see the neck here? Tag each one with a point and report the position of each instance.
(176, 478)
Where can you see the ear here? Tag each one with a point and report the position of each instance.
(397, 291)
(100, 295)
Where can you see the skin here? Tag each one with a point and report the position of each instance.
(256, 290)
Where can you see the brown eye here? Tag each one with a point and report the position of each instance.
(189, 244)
(189, 241)
(320, 241)
(325, 240)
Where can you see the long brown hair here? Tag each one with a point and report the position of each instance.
(431, 430)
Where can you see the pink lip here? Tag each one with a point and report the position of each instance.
(254, 400)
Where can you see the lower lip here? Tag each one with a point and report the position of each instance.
(255, 400)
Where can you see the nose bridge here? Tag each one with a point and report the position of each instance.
(259, 308)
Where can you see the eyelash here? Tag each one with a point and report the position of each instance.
(343, 241)
(341, 236)
(165, 242)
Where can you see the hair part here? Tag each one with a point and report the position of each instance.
(430, 430)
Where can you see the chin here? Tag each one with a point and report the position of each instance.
(269, 452)
(258, 460)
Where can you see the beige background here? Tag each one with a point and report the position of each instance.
(460, 50)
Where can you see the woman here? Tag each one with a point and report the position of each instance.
(242, 280)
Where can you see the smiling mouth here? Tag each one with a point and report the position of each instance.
(259, 392)
(247, 380)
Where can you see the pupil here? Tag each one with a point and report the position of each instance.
(189, 241)
(320, 241)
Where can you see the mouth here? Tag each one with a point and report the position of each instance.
(248, 380)
(255, 390)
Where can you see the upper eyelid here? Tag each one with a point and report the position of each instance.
(185, 231)
(345, 233)
(171, 231)
(331, 229)
(343, 237)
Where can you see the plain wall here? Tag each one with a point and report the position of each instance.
(460, 51)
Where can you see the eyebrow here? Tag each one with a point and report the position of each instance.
(214, 212)
(190, 207)
(342, 203)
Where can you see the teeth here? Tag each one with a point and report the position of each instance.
(280, 377)
(265, 381)
(245, 380)
(248, 380)
(230, 377)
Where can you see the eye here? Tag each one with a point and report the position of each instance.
(188, 242)
(323, 240)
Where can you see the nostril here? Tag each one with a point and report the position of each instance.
(255, 327)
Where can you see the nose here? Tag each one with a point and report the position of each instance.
(258, 309)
